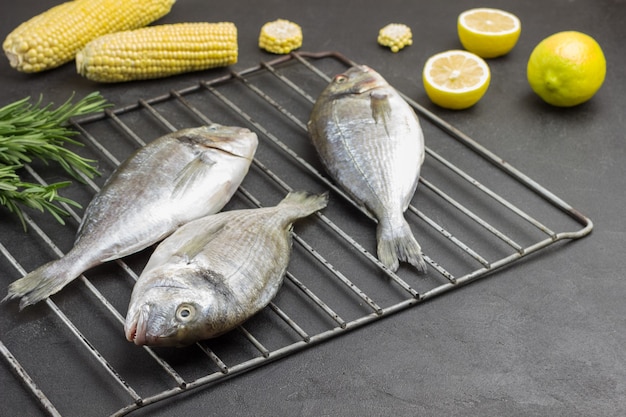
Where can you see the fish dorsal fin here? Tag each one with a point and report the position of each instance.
(381, 109)
(191, 173)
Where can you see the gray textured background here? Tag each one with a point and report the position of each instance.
(543, 338)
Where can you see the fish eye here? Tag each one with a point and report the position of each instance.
(341, 78)
(185, 312)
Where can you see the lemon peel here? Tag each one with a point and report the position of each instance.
(566, 68)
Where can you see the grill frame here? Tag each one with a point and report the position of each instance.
(285, 119)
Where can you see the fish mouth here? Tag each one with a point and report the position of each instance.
(237, 147)
(365, 79)
(232, 140)
(136, 327)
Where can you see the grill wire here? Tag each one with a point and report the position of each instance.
(467, 227)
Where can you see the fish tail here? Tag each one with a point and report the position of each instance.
(396, 245)
(41, 283)
(304, 203)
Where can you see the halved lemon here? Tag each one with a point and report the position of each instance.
(456, 79)
(488, 33)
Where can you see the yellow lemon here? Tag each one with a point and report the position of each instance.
(455, 79)
(488, 33)
(566, 69)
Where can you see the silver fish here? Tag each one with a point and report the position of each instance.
(214, 273)
(371, 142)
(176, 178)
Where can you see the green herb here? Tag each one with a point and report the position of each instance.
(32, 131)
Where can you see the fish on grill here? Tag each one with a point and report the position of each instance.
(370, 141)
(214, 273)
(176, 178)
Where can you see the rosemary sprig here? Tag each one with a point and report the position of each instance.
(32, 131)
(29, 131)
(15, 193)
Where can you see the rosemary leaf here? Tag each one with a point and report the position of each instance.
(15, 193)
(33, 131)
(29, 131)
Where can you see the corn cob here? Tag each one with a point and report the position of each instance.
(280, 36)
(158, 51)
(396, 36)
(53, 37)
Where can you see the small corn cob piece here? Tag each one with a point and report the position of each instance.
(55, 36)
(396, 36)
(280, 36)
(158, 51)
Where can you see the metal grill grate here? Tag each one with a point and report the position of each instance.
(472, 213)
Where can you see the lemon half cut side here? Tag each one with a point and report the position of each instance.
(487, 32)
(456, 79)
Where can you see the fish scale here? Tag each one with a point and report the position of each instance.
(176, 178)
(370, 141)
(214, 273)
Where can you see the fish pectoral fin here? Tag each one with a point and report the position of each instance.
(186, 243)
(192, 247)
(182, 258)
(192, 172)
(379, 104)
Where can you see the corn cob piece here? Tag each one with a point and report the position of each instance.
(280, 36)
(396, 36)
(52, 38)
(158, 51)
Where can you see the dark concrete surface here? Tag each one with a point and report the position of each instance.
(543, 338)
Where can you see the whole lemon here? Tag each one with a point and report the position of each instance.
(566, 69)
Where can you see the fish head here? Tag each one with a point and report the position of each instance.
(175, 319)
(233, 140)
(356, 80)
(169, 312)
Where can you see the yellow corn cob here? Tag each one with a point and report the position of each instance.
(280, 36)
(158, 51)
(396, 36)
(53, 37)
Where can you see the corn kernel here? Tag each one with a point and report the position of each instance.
(66, 28)
(280, 36)
(158, 51)
(395, 36)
